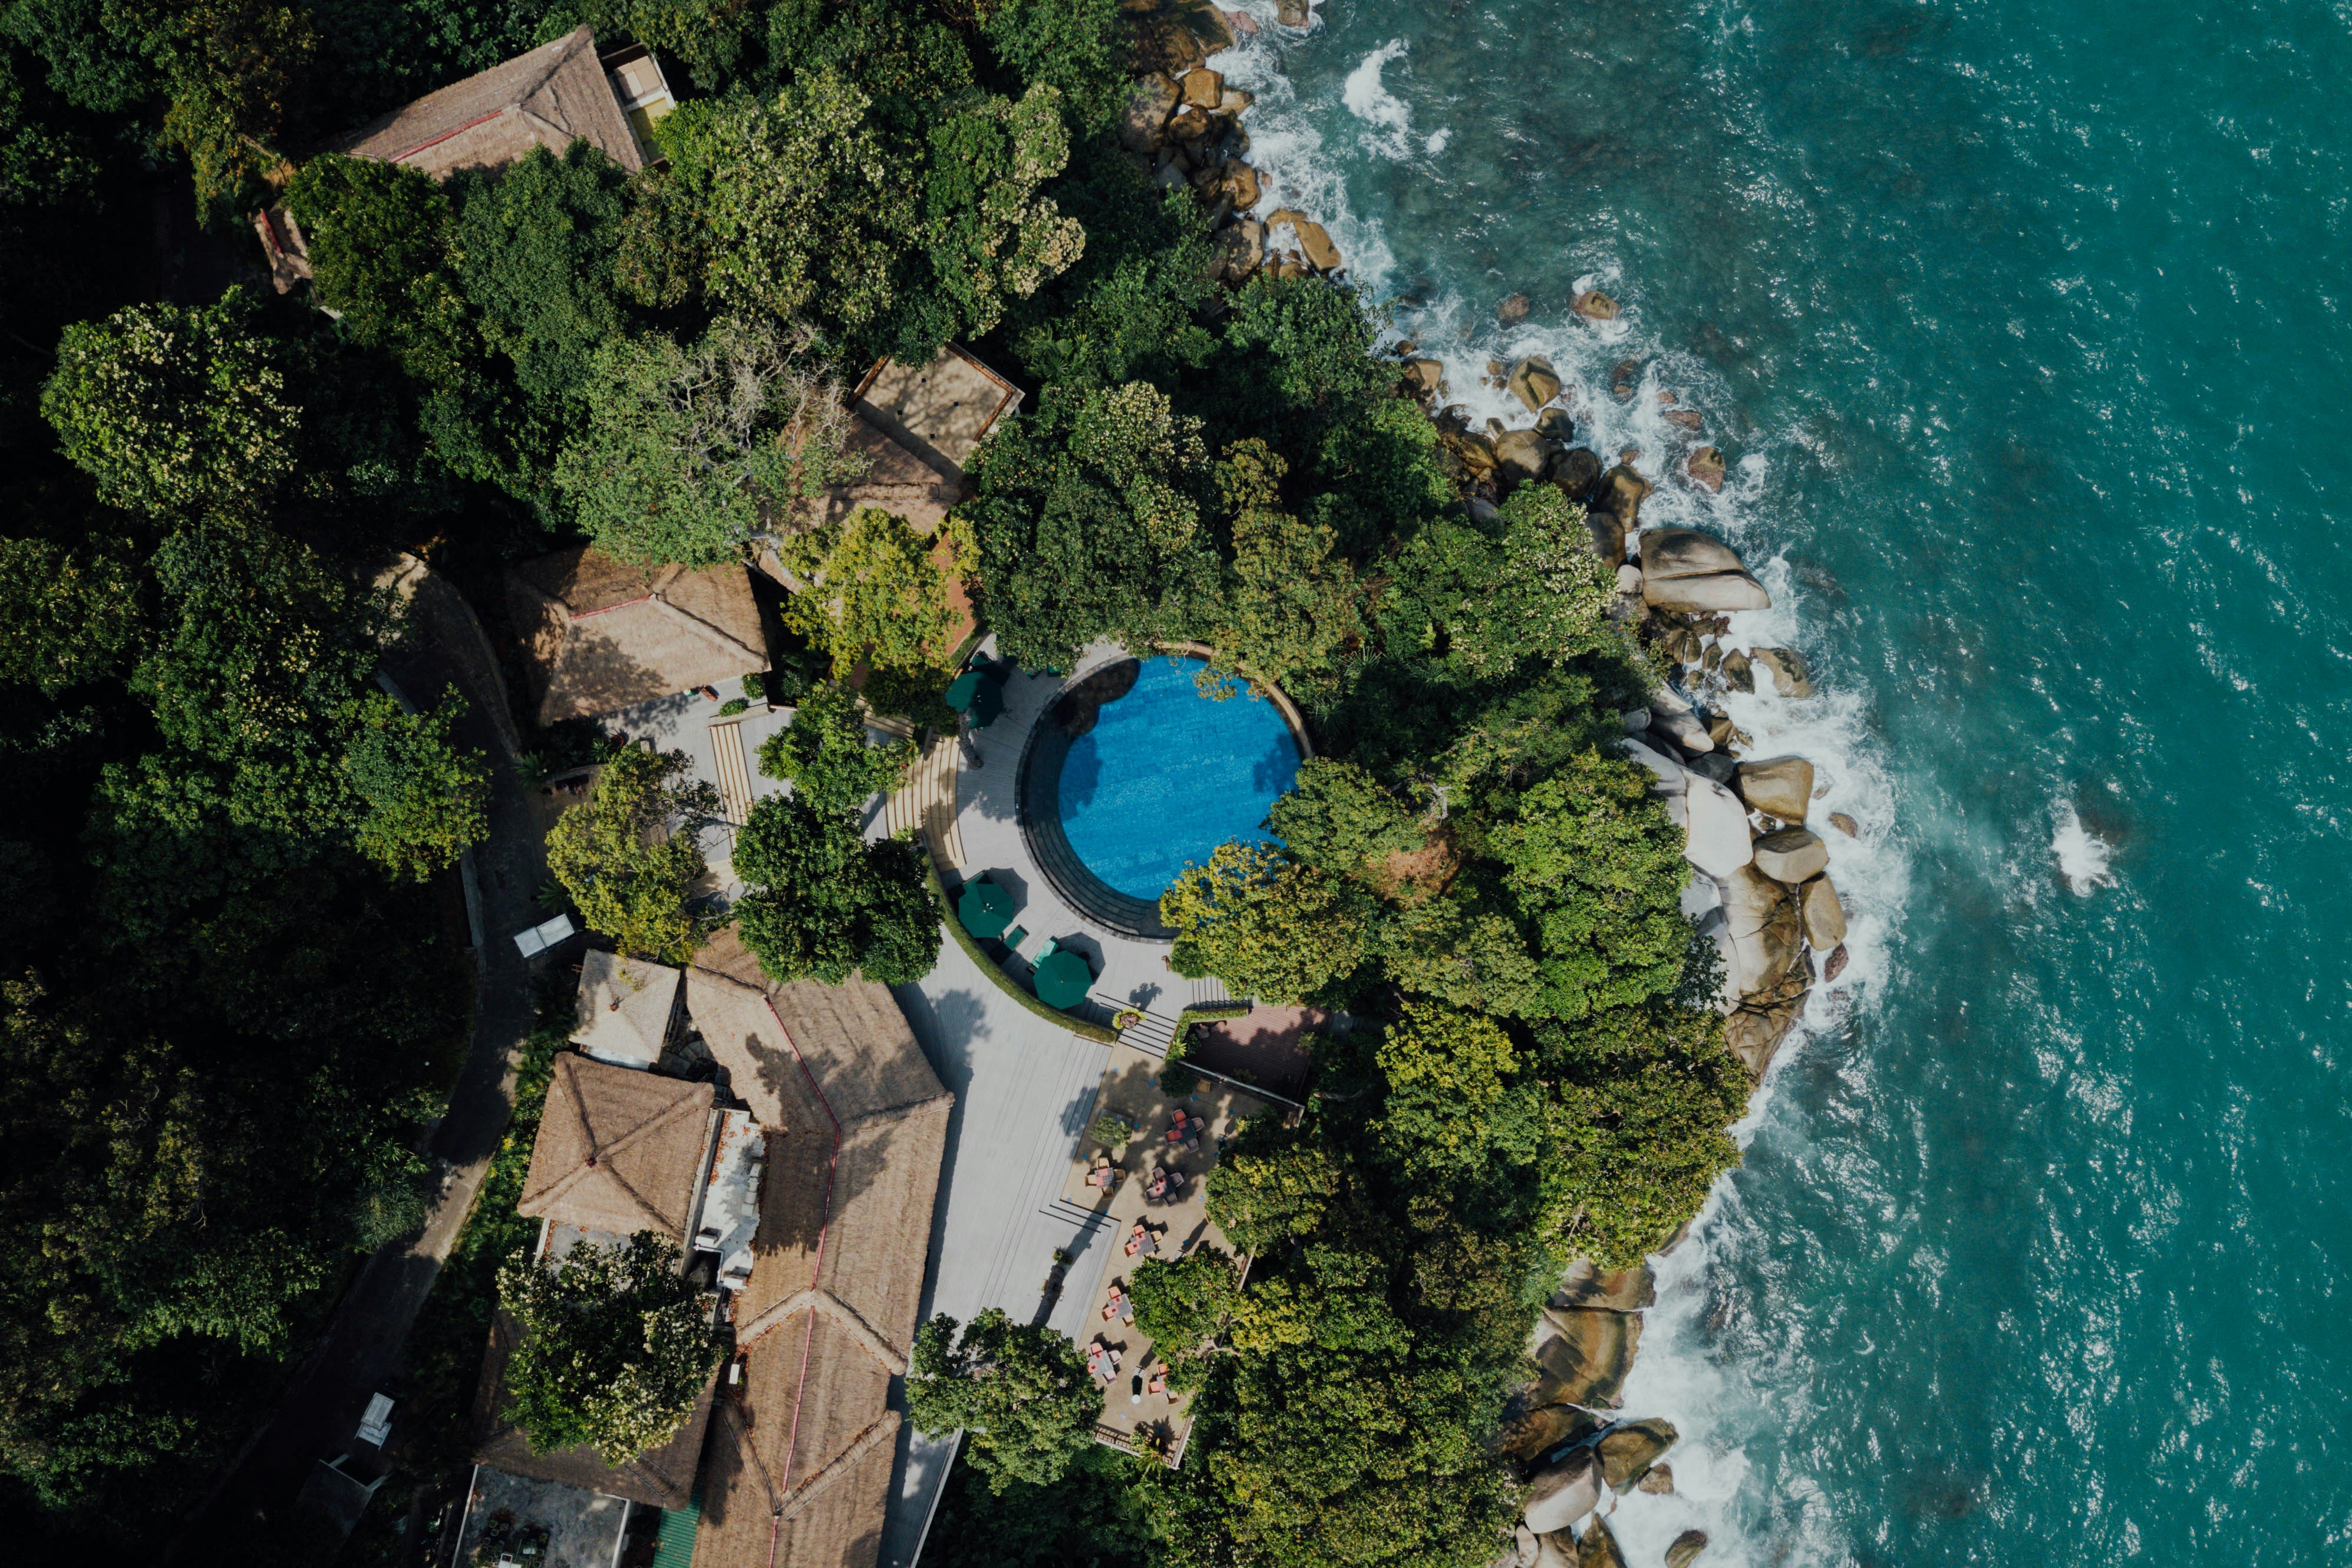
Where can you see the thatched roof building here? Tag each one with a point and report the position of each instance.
(626, 1008)
(547, 97)
(600, 635)
(619, 1150)
(799, 1467)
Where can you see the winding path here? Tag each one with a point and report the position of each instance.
(320, 1409)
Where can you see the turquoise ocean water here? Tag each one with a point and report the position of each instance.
(2023, 327)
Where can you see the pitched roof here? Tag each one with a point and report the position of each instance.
(547, 97)
(619, 1150)
(857, 1124)
(601, 634)
(938, 412)
(661, 1477)
(624, 1009)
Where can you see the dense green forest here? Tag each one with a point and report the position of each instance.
(232, 994)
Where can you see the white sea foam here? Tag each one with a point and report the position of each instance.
(1683, 1372)
(2082, 854)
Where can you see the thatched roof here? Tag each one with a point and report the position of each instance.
(620, 1150)
(547, 97)
(938, 412)
(857, 1124)
(601, 634)
(798, 1473)
(662, 1478)
(625, 1007)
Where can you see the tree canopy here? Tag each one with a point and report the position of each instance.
(1020, 1392)
(628, 854)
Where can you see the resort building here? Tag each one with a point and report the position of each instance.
(600, 635)
(916, 426)
(555, 95)
(799, 1186)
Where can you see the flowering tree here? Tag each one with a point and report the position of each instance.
(624, 862)
(616, 1348)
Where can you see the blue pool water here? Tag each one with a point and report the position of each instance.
(1167, 775)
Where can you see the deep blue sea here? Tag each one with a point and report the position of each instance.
(2023, 324)
(1166, 775)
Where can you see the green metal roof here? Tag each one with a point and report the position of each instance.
(674, 1547)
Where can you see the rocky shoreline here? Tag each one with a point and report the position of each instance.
(1759, 879)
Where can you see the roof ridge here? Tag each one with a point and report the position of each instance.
(696, 623)
(561, 58)
(843, 1316)
(885, 1429)
(902, 1107)
(600, 1156)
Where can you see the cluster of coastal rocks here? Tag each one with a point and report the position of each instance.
(1182, 127)
(1564, 1432)
(1760, 882)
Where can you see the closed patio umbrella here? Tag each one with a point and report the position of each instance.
(1062, 978)
(984, 908)
(972, 692)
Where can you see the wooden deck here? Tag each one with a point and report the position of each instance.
(734, 768)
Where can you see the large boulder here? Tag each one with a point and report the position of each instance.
(1563, 1494)
(1557, 1549)
(1241, 186)
(1686, 1549)
(1684, 729)
(1525, 1434)
(1599, 1548)
(1238, 249)
(1167, 45)
(1717, 766)
(1737, 673)
(1556, 422)
(1608, 537)
(1658, 1482)
(1761, 916)
(1585, 1355)
(1204, 89)
(1576, 471)
(1753, 1035)
(1313, 240)
(1594, 306)
(1533, 381)
(1150, 99)
(1824, 916)
(1673, 779)
(1792, 856)
(1427, 375)
(1524, 454)
(1623, 491)
(1627, 1452)
(1786, 667)
(1778, 786)
(1686, 552)
(1715, 594)
(1714, 827)
(1586, 1284)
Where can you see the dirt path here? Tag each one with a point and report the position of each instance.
(320, 1411)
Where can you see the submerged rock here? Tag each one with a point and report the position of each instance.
(1624, 380)
(1845, 824)
(1791, 677)
(1836, 964)
(1627, 1452)
(1513, 309)
(1563, 1494)
(1705, 469)
(1792, 856)
(1778, 786)
(1686, 1549)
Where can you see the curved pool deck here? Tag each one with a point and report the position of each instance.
(1059, 894)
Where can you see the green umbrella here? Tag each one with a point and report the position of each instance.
(973, 692)
(984, 908)
(1062, 979)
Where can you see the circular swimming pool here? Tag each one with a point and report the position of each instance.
(1133, 773)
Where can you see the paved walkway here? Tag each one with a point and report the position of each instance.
(320, 1412)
